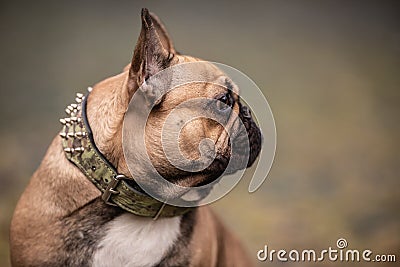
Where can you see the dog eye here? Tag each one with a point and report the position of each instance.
(224, 102)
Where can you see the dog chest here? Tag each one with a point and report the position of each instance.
(134, 241)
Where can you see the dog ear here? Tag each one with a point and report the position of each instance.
(163, 34)
(150, 55)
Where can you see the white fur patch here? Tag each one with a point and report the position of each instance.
(135, 241)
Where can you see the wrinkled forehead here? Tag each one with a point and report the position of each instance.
(210, 72)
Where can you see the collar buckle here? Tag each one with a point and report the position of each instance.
(111, 189)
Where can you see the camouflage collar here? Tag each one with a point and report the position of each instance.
(81, 150)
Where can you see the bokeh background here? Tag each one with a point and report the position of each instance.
(329, 69)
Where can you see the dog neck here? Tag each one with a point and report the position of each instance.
(81, 150)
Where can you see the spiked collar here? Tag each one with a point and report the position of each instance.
(81, 150)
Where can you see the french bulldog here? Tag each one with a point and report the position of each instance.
(65, 217)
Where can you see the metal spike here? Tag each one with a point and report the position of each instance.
(79, 120)
(70, 107)
(79, 95)
(67, 120)
(73, 105)
(63, 135)
(74, 119)
(67, 111)
(70, 135)
(79, 149)
(89, 89)
(78, 100)
(62, 121)
(69, 150)
(80, 134)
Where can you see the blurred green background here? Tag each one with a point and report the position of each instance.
(329, 69)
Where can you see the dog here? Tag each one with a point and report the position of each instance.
(83, 207)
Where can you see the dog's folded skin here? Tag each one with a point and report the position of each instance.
(61, 220)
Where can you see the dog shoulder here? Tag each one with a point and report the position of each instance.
(213, 244)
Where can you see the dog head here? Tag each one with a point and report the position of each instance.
(109, 102)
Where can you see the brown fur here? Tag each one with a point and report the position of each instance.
(58, 190)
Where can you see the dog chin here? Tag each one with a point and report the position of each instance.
(186, 180)
(223, 164)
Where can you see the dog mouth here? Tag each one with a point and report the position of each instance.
(200, 178)
(215, 170)
(247, 146)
